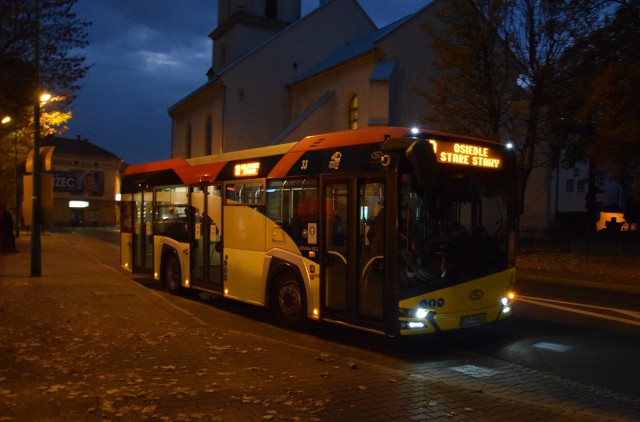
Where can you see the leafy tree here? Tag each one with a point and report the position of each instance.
(529, 37)
(62, 36)
(603, 73)
(601, 78)
(474, 91)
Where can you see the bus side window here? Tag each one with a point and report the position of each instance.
(172, 220)
(293, 204)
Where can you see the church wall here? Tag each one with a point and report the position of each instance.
(410, 46)
(256, 107)
(345, 81)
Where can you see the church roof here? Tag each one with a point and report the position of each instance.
(352, 50)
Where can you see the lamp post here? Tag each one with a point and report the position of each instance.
(35, 203)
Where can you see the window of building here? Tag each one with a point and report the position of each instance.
(208, 135)
(353, 112)
(187, 143)
(271, 9)
(580, 186)
(570, 185)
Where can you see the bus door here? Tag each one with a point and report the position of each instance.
(143, 232)
(206, 209)
(353, 234)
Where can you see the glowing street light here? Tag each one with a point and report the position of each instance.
(36, 257)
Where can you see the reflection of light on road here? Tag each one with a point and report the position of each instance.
(552, 346)
(474, 371)
(611, 314)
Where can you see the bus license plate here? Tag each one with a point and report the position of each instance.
(471, 320)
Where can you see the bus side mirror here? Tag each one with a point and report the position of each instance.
(420, 154)
(423, 159)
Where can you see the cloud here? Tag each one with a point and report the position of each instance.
(146, 56)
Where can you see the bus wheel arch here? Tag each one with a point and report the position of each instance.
(171, 273)
(287, 296)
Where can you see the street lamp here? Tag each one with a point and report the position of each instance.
(36, 258)
(37, 190)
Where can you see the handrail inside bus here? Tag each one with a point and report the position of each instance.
(339, 255)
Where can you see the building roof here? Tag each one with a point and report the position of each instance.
(350, 51)
(77, 147)
(215, 78)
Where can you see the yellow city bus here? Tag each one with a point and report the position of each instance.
(390, 230)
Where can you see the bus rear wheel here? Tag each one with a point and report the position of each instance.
(288, 301)
(171, 274)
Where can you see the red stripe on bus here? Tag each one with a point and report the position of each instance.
(204, 173)
(284, 165)
(348, 138)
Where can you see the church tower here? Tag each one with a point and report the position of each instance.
(245, 24)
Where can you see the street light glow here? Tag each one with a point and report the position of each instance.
(5, 120)
(45, 97)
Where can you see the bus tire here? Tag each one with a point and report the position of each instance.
(171, 274)
(289, 303)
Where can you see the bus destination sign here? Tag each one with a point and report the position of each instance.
(246, 169)
(466, 155)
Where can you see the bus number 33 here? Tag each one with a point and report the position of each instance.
(304, 164)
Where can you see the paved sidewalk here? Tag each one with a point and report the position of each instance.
(85, 342)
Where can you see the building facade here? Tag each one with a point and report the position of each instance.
(79, 184)
(568, 187)
(276, 77)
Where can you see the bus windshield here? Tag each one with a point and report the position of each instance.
(454, 232)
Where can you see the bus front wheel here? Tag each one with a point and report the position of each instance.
(288, 300)
(171, 274)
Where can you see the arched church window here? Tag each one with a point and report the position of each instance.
(187, 142)
(208, 136)
(271, 9)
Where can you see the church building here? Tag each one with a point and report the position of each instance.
(277, 77)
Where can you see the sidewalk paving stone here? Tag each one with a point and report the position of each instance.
(84, 342)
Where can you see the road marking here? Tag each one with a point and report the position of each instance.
(573, 307)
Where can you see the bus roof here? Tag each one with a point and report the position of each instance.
(280, 157)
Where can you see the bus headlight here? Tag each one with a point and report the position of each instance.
(507, 301)
(421, 313)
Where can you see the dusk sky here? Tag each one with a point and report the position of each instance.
(146, 56)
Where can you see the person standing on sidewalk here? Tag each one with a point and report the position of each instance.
(6, 230)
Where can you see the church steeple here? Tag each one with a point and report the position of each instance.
(245, 24)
